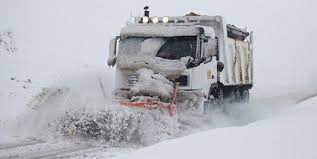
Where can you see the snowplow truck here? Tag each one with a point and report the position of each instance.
(164, 60)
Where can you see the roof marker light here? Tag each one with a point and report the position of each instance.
(145, 20)
(155, 20)
(165, 20)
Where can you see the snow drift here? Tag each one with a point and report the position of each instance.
(291, 135)
(7, 42)
(118, 125)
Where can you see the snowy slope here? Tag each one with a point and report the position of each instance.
(63, 44)
(291, 135)
(58, 40)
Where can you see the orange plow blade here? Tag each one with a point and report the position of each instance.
(154, 103)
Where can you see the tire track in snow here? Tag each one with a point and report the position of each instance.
(19, 144)
(306, 98)
(284, 101)
(51, 153)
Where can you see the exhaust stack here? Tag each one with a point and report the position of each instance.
(146, 11)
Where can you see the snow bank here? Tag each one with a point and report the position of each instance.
(43, 103)
(291, 135)
(7, 42)
(118, 125)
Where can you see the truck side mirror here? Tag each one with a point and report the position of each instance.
(210, 48)
(252, 37)
(112, 57)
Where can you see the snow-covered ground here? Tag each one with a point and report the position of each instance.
(274, 127)
(58, 41)
(290, 135)
(62, 51)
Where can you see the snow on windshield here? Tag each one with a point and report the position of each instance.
(144, 46)
(130, 46)
(151, 46)
(172, 48)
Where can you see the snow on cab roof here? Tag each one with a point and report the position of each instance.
(158, 31)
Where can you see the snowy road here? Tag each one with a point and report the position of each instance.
(43, 150)
(29, 148)
(64, 44)
(10, 145)
(291, 135)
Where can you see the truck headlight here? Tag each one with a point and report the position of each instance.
(183, 80)
(155, 20)
(145, 20)
(165, 19)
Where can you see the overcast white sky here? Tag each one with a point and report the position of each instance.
(58, 35)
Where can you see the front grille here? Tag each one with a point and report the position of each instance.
(133, 79)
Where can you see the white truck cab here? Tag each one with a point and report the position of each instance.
(202, 53)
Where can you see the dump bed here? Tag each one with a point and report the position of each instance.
(239, 65)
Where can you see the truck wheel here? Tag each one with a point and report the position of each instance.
(232, 96)
(238, 97)
(245, 95)
(215, 98)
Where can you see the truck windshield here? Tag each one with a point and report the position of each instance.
(178, 47)
(140, 46)
(168, 48)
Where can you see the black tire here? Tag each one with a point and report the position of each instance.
(237, 95)
(245, 95)
(232, 96)
(215, 98)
